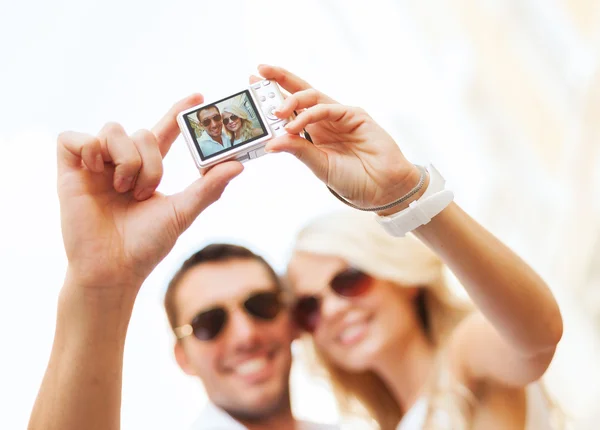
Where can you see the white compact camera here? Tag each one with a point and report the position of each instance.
(235, 127)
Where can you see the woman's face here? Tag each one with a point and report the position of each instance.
(353, 331)
(232, 122)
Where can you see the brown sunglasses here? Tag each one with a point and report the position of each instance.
(207, 325)
(216, 118)
(350, 282)
(232, 118)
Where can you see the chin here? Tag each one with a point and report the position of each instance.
(356, 364)
(360, 359)
(262, 403)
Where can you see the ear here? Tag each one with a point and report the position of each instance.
(181, 358)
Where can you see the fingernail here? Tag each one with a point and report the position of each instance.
(99, 163)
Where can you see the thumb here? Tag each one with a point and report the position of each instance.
(189, 203)
(303, 150)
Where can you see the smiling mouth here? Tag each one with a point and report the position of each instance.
(253, 366)
(257, 369)
(353, 333)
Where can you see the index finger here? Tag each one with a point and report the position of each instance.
(167, 130)
(286, 79)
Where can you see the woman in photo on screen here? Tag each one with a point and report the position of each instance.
(237, 124)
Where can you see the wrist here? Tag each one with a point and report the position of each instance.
(433, 200)
(406, 185)
(100, 291)
(85, 316)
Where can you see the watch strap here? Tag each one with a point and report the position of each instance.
(421, 211)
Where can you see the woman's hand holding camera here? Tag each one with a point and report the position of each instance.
(351, 153)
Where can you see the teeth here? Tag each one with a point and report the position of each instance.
(251, 366)
(351, 333)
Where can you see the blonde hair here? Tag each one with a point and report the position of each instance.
(357, 238)
(246, 130)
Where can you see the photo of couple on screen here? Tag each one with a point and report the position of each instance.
(226, 124)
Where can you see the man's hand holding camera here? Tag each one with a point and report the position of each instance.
(116, 227)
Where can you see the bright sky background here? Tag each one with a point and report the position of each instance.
(75, 65)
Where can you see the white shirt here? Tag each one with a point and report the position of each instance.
(537, 418)
(209, 146)
(214, 418)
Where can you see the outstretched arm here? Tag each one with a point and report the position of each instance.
(116, 229)
(513, 340)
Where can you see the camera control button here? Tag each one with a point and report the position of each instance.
(270, 113)
(256, 86)
(266, 82)
(263, 98)
(271, 94)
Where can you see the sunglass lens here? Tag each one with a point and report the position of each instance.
(231, 118)
(306, 313)
(265, 305)
(351, 282)
(207, 121)
(208, 325)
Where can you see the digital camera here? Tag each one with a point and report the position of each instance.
(235, 127)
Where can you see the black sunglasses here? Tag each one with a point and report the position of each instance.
(231, 118)
(208, 324)
(216, 118)
(350, 282)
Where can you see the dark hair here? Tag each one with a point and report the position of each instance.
(216, 252)
(206, 108)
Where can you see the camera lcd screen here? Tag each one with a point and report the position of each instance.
(225, 125)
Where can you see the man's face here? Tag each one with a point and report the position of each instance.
(245, 368)
(212, 118)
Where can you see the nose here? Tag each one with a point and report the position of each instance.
(332, 306)
(242, 330)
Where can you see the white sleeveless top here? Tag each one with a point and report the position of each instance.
(537, 418)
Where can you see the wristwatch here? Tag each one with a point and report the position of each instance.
(434, 200)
